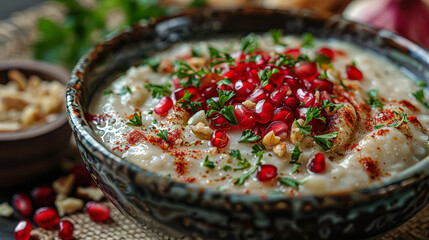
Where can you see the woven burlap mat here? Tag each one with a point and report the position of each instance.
(17, 35)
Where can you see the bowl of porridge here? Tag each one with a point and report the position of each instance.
(256, 123)
(33, 124)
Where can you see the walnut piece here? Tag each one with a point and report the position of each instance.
(93, 193)
(18, 79)
(201, 131)
(68, 205)
(280, 149)
(295, 135)
(5, 210)
(249, 104)
(64, 185)
(270, 139)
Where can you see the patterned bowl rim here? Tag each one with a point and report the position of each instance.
(406, 178)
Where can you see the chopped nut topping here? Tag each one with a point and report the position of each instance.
(213, 151)
(5, 210)
(64, 185)
(68, 205)
(18, 79)
(270, 139)
(249, 104)
(201, 131)
(280, 149)
(93, 193)
(295, 135)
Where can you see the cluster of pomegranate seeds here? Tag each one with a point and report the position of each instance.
(46, 217)
(66, 230)
(98, 212)
(266, 172)
(23, 230)
(22, 204)
(317, 163)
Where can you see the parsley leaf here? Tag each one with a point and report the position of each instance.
(153, 63)
(249, 43)
(378, 126)
(308, 40)
(196, 51)
(185, 102)
(125, 90)
(136, 121)
(322, 59)
(291, 182)
(226, 167)
(324, 140)
(220, 57)
(313, 112)
(240, 180)
(403, 119)
(343, 85)
(158, 91)
(265, 75)
(163, 134)
(235, 153)
(252, 59)
(373, 99)
(258, 148)
(332, 106)
(248, 136)
(323, 75)
(187, 75)
(421, 83)
(225, 81)
(294, 158)
(107, 92)
(277, 35)
(207, 163)
(228, 113)
(304, 130)
(224, 96)
(420, 96)
(241, 162)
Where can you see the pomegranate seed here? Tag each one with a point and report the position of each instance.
(300, 113)
(43, 196)
(278, 95)
(163, 106)
(219, 122)
(258, 95)
(317, 163)
(263, 111)
(323, 85)
(266, 172)
(253, 77)
(226, 87)
(23, 230)
(353, 73)
(294, 82)
(176, 82)
(210, 79)
(305, 96)
(291, 102)
(232, 74)
(209, 92)
(295, 52)
(283, 114)
(46, 217)
(242, 89)
(258, 131)
(328, 52)
(66, 230)
(178, 93)
(277, 78)
(279, 128)
(22, 204)
(219, 139)
(269, 87)
(81, 176)
(325, 96)
(98, 212)
(244, 116)
(306, 70)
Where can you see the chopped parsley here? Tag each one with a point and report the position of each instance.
(258, 148)
(196, 51)
(291, 182)
(325, 140)
(343, 85)
(304, 129)
(188, 76)
(155, 122)
(224, 96)
(294, 158)
(158, 91)
(207, 163)
(107, 92)
(252, 58)
(322, 59)
(153, 63)
(163, 134)
(241, 161)
(378, 126)
(228, 113)
(308, 40)
(277, 35)
(373, 100)
(421, 83)
(136, 121)
(240, 180)
(125, 90)
(323, 75)
(249, 43)
(186, 103)
(420, 96)
(248, 136)
(220, 57)
(226, 167)
(225, 81)
(265, 75)
(404, 118)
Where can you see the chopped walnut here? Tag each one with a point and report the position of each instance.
(93, 193)
(201, 131)
(196, 62)
(18, 79)
(5, 210)
(270, 139)
(249, 104)
(280, 149)
(212, 151)
(14, 102)
(64, 185)
(166, 66)
(29, 115)
(295, 135)
(68, 205)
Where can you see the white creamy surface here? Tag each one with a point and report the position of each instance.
(391, 149)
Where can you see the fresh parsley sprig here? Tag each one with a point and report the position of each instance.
(404, 119)
(291, 182)
(248, 136)
(294, 158)
(265, 75)
(243, 163)
(163, 134)
(219, 57)
(277, 35)
(420, 96)
(240, 180)
(209, 164)
(186, 103)
(153, 63)
(249, 44)
(373, 100)
(308, 41)
(136, 121)
(188, 76)
(158, 91)
(226, 111)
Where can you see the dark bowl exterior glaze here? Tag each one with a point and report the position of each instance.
(186, 209)
(28, 154)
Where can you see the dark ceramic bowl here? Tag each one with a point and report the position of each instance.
(186, 209)
(30, 153)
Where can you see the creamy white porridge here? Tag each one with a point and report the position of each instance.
(265, 115)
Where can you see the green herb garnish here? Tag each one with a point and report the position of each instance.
(107, 92)
(136, 121)
(225, 81)
(277, 35)
(308, 40)
(163, 134)
(248, 136)
(291, 182)
(153, 63)
(228, 113)
(373, 100)
(249, 43)
(187, 75)
(158, 91)
(404, 118)
(186, 103)
(240, 180)
(125, 90)
(294, 158)
(220, 57)
(325, 140)
(265, 75)
(420, 96)
(207, 163)
(343, 85)
(226, 167)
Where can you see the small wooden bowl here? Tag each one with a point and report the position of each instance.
(30, 153)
